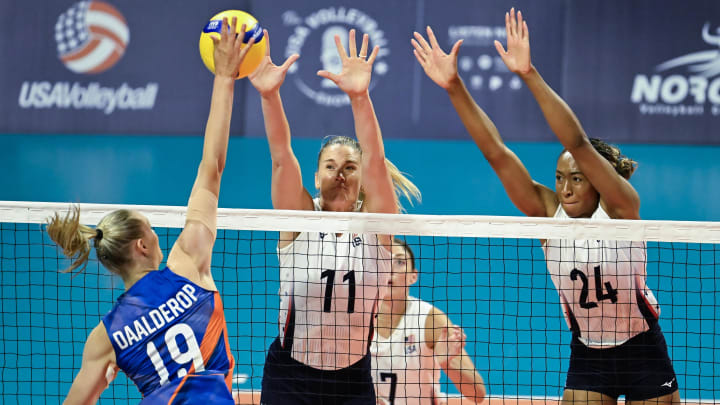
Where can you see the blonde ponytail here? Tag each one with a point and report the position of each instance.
(402, 186)
(112, 238)
(72, 236)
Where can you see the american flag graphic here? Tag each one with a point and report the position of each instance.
(91, 36)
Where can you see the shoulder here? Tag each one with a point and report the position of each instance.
(434, 323)
(98, 345)
(605, 212)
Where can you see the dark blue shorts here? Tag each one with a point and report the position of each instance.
(640, 368)
(287, 381)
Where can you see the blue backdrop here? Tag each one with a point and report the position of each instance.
(133, 67)
(643, 74)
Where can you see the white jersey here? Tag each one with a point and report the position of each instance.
(602, 288)
(404, 369)
(330, 287)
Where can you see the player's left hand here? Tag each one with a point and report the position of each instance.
(438, 65)
(450, 344)
(517, 57)
(354, 79)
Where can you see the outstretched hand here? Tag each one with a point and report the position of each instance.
(449, 344)
(354, 79)
(439, 66)
(268, 77)
(517, 57)
(229, 52)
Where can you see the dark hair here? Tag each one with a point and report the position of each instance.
(408, 252)
(623, 165)
(112, 238)
(401, 184)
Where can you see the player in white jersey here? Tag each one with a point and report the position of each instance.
(414, 341)
(330, 283)
(618, 348)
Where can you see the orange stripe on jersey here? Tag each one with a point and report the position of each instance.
(172, 398)
(216, 326)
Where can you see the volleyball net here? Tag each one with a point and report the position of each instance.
(488, 274)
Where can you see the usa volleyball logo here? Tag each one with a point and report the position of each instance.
(91, 37)
(320, 28)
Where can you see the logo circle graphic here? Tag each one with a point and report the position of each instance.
(320, 28)
(91, 36)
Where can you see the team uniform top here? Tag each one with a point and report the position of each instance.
(602, 287)
(404, 369)
(170, 339)
(329, 290)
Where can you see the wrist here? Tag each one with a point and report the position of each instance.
(359, 97)
(443, 361)
(526, 75)
(270, 95)
(224, 79)
(455, 84)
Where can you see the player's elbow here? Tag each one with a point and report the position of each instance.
(212, 169)
(474, 391)
(479, 395)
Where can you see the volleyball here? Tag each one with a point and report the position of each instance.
(253, 29)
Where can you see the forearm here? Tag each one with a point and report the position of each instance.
(376, 176)
(559, 116)
(277, 128)
(466, 379)
(286, 185)
(476, 121)
(217, 132)
(367, 128)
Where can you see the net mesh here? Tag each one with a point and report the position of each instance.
(488, 274)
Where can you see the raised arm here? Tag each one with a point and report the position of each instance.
(619, 196)
(191, 254)
(354, 80)
(97, 370)
(448, 344)
(532, 198)
(287, 189)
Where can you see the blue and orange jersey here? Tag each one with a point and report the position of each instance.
(170, 339)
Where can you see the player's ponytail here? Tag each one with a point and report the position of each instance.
(402, 186)
(112, 238)
(623, 165)
(72, 236)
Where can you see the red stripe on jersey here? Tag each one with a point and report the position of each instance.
(289, 315)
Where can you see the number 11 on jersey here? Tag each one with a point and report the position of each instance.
(349, 277)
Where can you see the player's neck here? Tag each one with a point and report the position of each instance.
(391, 313)
(135, 276)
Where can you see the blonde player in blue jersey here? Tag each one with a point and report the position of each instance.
(167, 332)
(330, 284)
(414, 341)
(617, 346)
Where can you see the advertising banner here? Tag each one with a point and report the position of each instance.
(105, 66)
(645, 71)
(638, 72)
(407, 102)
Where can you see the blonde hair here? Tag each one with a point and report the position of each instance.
(112, 238)
(402, 186)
